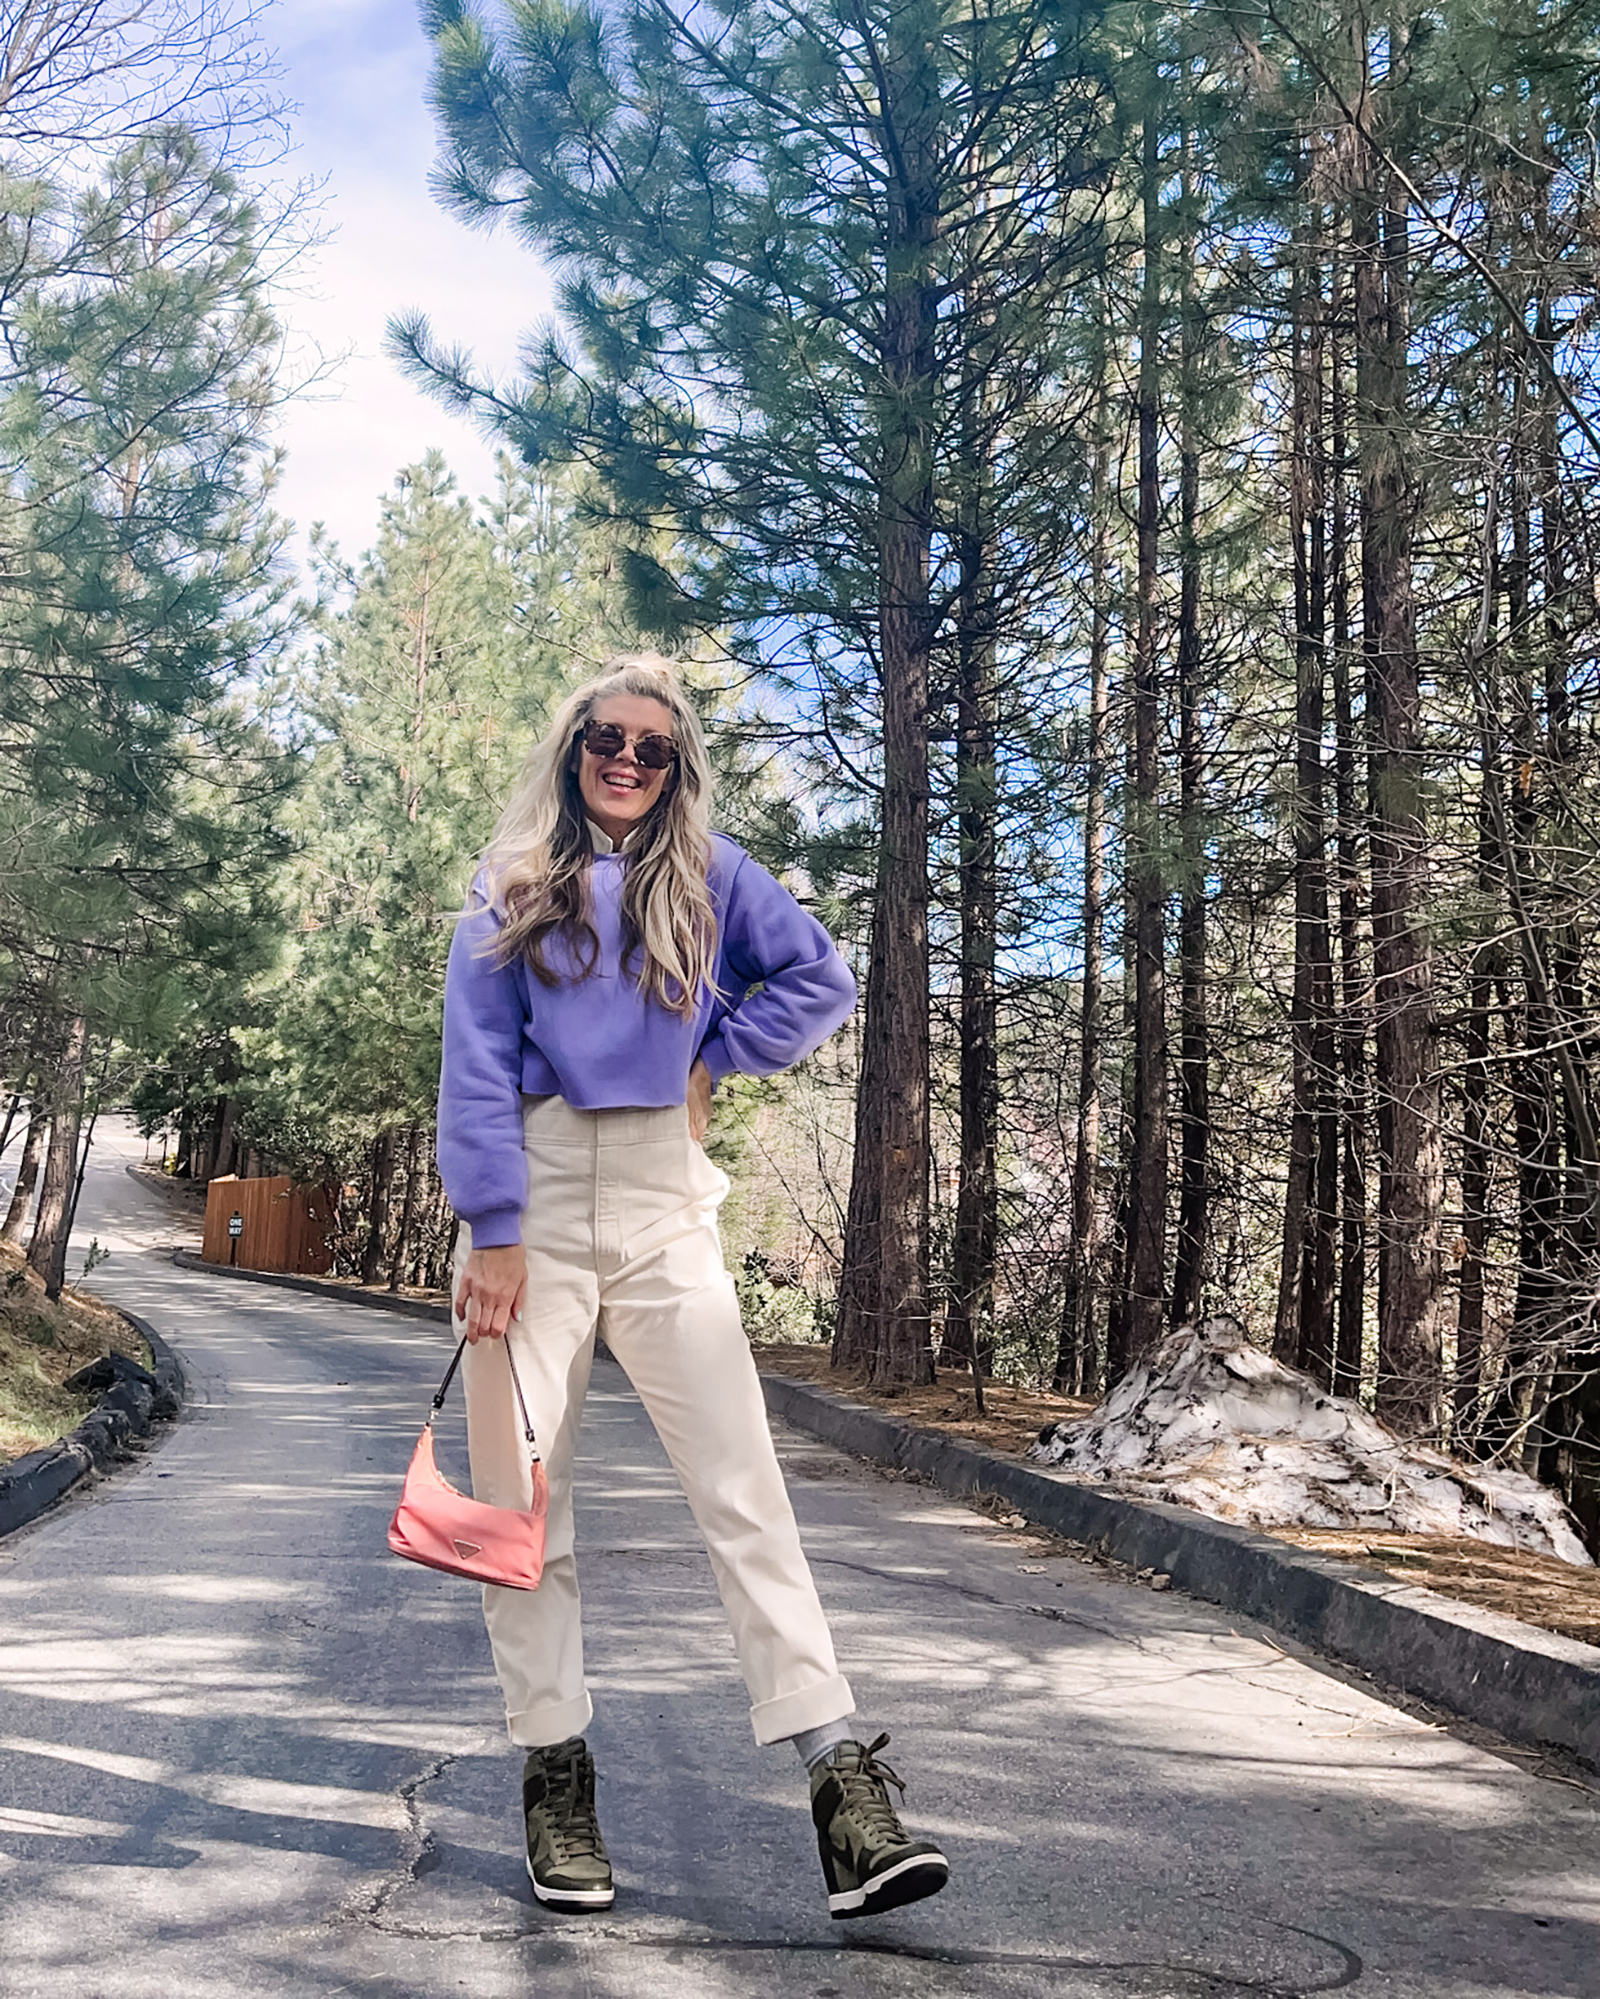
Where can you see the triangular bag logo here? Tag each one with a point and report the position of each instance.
(467, 1549)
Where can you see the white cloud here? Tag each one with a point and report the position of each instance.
(358, 69)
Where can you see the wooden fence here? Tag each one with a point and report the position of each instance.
(281, 1226)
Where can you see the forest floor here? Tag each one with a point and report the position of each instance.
(189, 1196)
(1538, 1589)
(40, 1345)
(1013, 1416)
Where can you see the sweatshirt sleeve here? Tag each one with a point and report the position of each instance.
(805, 990)
(481, 1160)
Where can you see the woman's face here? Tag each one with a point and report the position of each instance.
(618, 792)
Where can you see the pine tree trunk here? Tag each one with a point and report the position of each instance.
(47, 1252)
(1569, 1454)
(408, 1210)
(967, 1323)
(1534, 1316)
(1351, 1030)
(883, 1293)
(1118, 1357)
(1077, 1370)
(1304, 1332)
(1486, 678)
(212, 1157)
(1147, 1217)
(1319, 1282)
(1194, 1043)
(1534, 1312)
(222, 1162)
(883, 1306)
(384, 1149)
(434, 1273)
(83, 1158)
(1410, 1190)
(203, 1161)
(1296, 1194)
(27, 1176)
(1475, 1165)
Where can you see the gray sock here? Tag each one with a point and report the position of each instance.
(814, 1743)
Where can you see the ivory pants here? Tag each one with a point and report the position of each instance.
(620, 1232)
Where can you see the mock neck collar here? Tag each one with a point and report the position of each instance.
(601, 840)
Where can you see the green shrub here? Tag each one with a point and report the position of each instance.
(41, 1324)
(773, 1311)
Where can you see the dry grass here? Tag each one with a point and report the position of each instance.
(187, 1196)
(40, 1345)
(1013, 1418)
(1538, 1589)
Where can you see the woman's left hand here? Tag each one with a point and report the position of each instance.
(699, 1101)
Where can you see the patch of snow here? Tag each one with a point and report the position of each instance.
(1211, 1422)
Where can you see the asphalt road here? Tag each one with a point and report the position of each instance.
(244, 1751)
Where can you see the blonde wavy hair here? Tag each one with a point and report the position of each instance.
(538, 861)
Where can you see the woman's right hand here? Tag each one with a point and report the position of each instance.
(489, 1295)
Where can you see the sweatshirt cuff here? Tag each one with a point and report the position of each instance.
(714, 1054)
(498, 1229)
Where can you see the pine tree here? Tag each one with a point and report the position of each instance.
(140, 605)
(432, 663)
(770, 223)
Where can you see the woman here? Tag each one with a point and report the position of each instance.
(599, 988)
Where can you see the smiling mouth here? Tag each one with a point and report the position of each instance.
(620, 781)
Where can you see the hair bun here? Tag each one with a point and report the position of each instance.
(651, 664)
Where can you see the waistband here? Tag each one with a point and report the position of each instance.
(553, 1121)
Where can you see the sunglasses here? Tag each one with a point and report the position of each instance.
(605, 739)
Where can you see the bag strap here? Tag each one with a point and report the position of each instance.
(522, 1403)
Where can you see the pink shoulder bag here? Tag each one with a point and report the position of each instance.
(444, 1529)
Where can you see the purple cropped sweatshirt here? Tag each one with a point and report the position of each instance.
(600, 1043)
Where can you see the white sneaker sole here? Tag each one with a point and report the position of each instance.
(570, 1898)
(894, 1887)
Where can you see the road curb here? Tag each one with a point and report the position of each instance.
(31, 1484)
(317, 1287)
(1530, 1685)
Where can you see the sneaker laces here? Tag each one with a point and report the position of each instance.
(866, 1795)
(569, 1793)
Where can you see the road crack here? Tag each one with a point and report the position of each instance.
(419, 1851)
(1050, 1612)
(1200, 1981)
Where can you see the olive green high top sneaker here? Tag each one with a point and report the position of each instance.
(868, 1861)
(567, 1860)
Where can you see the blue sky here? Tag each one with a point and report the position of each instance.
(358, 71)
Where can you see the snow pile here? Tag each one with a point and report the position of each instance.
(1211, 1422)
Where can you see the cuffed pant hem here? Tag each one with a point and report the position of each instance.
(544, 1727)
(807, 1707)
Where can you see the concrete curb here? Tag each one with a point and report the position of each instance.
(1530, 1685)
(317, 1287)
(31, 1484)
